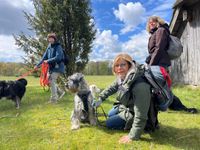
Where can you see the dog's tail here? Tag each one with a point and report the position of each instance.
(23, 81)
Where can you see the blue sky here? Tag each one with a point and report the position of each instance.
(120, 26)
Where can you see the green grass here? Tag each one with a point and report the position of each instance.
(39, 126)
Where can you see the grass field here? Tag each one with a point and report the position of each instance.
(40, 126)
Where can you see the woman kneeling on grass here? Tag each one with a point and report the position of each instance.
(133, 97)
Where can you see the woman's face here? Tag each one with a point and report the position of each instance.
(121, 68)
(152, 24)
(51, 40)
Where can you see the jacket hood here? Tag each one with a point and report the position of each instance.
(166, 26)
(55, 44)
(132, 74)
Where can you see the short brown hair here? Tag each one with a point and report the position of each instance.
(157, 19)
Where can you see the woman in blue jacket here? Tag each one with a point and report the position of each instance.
(54, 57)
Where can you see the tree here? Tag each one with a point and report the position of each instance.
(71, 20)
(98, 68)
(12, 69)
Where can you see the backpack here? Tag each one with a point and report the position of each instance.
(175, 48)
(161, 95)
(152, 122)
(160, 82)
(65, 58)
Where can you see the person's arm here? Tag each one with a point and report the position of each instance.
(160, 46)
(142, 95)
(44, 57)
(113, 88)
(58, 57)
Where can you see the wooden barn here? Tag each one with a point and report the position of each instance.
(185, 24)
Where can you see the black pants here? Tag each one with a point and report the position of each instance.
(152, 121)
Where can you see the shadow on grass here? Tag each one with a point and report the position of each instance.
(179, 138)
(188, 138)
(35, 97)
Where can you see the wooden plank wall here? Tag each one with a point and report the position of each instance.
(186, 69)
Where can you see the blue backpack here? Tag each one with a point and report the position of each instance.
(159, 80)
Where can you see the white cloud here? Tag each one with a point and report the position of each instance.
(131, 14)
(23, 4)
(162, 9)
(8, 50)
(107, 46)
(13, 22)
(164, 6)
(136, 46)
(107, 40)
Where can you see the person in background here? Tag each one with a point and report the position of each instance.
(157, 46)
(53, 56)
(133, 96)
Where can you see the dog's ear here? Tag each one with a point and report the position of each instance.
(23, 81)
(81, 76)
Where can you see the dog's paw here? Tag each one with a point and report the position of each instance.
(75, 127)
(192, 110)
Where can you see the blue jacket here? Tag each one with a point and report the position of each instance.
(54, 56)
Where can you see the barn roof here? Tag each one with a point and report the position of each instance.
(177, 18)
(184, 3)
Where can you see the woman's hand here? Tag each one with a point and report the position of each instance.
(124, 139)
(35, 68)
(96, 103)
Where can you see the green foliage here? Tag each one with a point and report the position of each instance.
(70, 20)
(38, 125)
(98, 68)
(12, 69)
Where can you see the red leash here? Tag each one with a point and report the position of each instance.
(44, 79)
(25, 74)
